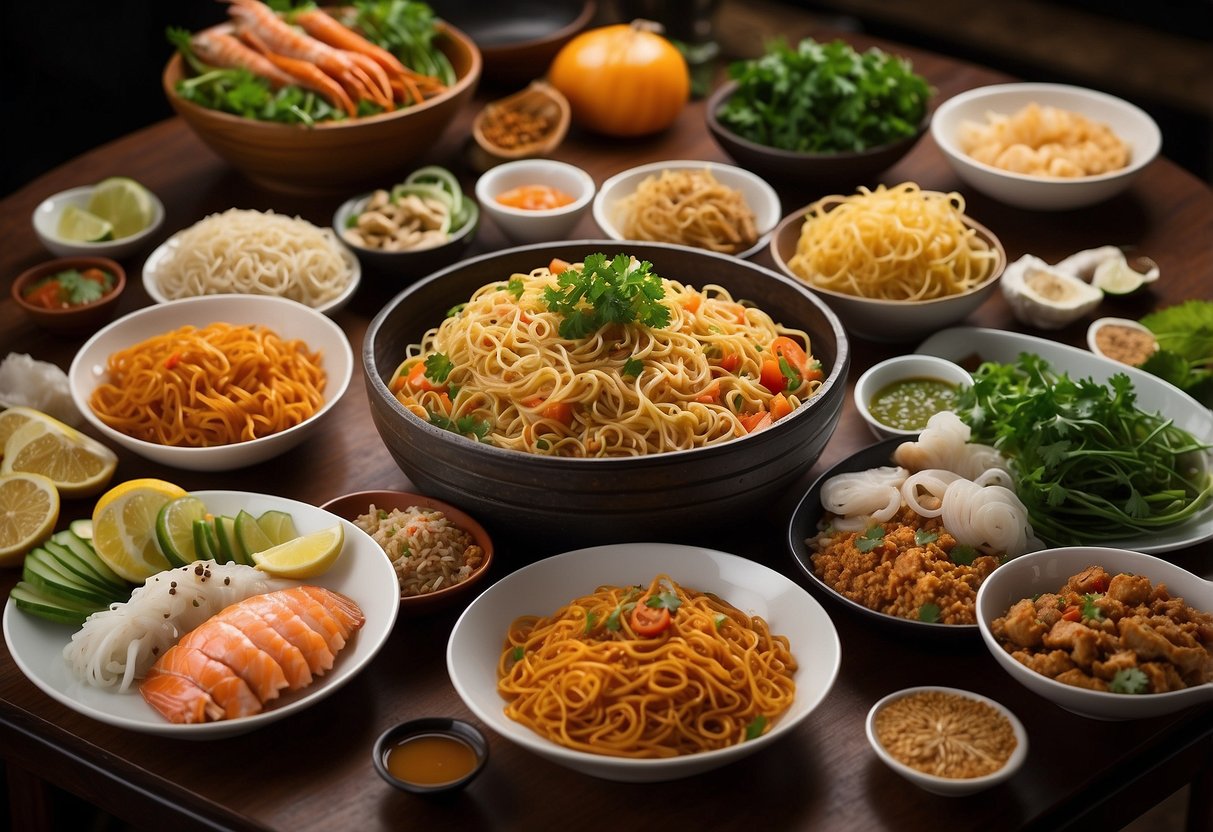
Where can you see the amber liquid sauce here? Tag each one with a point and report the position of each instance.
(430, 759)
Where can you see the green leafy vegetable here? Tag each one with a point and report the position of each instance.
(468, 426)
(626, 605)
(1129, 680)
(632, 367)
(789, 372)
(719, 620)
(664, 600)
(407, 29)
(516, 287)
(963, 554)
(757, 725)
(455, 310)
(870, 539)
(922, 537)
(1185, 348)
(438, 367)
(591, 619)
(928, 613)
(1089, 610)
(605, 292)
(518, 653)
(824, 98)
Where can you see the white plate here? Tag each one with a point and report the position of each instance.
(759, 196)
(155, 262)
(362, 573)
(541, 588)
(1153, 394)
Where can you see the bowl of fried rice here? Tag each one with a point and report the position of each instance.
(439, 553)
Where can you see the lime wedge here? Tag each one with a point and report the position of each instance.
(175, 529)
(278, 526)
(252, 538)
(1115, 276)
(79, 226)
(124, 203)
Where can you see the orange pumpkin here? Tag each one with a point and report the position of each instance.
(622, 80)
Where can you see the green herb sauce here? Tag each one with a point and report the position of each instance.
(908, 404)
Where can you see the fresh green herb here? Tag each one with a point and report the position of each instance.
(76, 289)
(719, 620)
(1089, 610)
(438, 367)
(824, 98)
(455, 310)
(591, 619)
(928, 613)
(406, 29)
(923, 536)
(518, 653)
(605, 292)
(468, 426)
(515, 287)
(632, 367)
(870, 539)
(664, 600)
(789, 372)
(1089, 464)
(1185, 347)
(756, 727)
(625, 605)
(1129, 680)
(963, 555)
(542, 444)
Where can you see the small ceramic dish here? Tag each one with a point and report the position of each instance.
(1121, 339)
(431, 755)
(352, 506)
(902, 368)
(46, 226)
(535, 226)
(414, 263)
(949, 786)
(72, 320)
(541, 104)
(759, 196)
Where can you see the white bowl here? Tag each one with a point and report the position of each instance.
(286, 317)
(1047, 571)
(155, 263)
(1100, 323)
(903, 368)
(949, 786)
(541, 588)
(1132, 124)
(759, 196)
(46, 225)
(523, 226)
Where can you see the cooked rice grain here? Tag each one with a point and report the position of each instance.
(427, 550)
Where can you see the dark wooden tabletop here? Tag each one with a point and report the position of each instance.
(313, 771)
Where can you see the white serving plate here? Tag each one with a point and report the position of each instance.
(362, 573)
(541, 588)
(1153, 394)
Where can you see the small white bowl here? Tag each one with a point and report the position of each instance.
(950, 786)
(286, 317)
(1047, 571)
(46, 225)
(1100, 323)
(1132, 124)
(523, 226)
(903, 368)
(759, 196)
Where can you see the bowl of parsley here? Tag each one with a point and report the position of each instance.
(820, 113)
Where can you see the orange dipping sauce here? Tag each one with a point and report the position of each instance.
(534, 198)
(430, 759)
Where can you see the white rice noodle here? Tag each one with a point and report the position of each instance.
(118, 645)
(988, 518)
(944, 443)
(863, 497)
(924, 491)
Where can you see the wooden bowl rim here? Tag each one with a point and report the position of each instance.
(49, 267)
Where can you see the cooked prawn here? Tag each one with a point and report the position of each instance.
(305, 75)
(223, 50)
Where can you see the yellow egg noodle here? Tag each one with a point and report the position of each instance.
(691, 208)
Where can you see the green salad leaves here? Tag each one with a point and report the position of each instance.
(824, 98)
(1185, 348)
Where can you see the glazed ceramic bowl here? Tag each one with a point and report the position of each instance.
(583, 501)
(74, 320)
(1047, 571)
(290, 320)
(1094, 339)
(812, 170)
(456, 730)
(1130, 123)
(526, 226)
(352, 506)
(332, 157)
(760, 197)
(897, 321)
(903, 368)
(46, 226)
(398, 268)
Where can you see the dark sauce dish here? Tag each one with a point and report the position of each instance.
(442, 774)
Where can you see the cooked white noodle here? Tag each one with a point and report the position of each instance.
(944, 443)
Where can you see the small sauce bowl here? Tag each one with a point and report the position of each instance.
(81, 319)
(903, 368)
(431, 755)
(523, 225)
(1133, 342)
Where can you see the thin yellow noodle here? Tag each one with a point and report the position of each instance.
(691, 208)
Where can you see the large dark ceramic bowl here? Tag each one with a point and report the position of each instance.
(586, 501)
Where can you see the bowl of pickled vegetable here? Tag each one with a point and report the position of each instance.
(72, 295)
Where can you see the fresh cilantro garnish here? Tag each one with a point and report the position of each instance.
(591, 619)
(626, 604)
(455, 310)
(928, 613)
(719, 620)
(515, 287)
(465, 425)
(1089, 610)
(78, 289)
(870, 539)
(756, 727)
(664, 600)
(518, 653)
(602, 292)
(438, 367)
(963, 555)
(924, 536)
(1129, 680)
(632, 367)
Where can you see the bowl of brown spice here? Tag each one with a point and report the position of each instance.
(524, 125)
(1121, 339)
(947, 741)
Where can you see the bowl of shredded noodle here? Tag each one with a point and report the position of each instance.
(621, 431)
(1047, 147)
(212, 383)
(574, 617)
(895, 263)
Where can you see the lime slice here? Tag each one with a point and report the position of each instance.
(79, 226)
(124, 203)
(303, 557)
(251, 536)
(175, 529)
(278, 526)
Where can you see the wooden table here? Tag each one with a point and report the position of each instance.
(313, 771)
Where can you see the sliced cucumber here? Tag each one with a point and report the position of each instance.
(230, 550)
(51, 578)
(83, 548)
(66, 558)
(82, 528)
(30, 599)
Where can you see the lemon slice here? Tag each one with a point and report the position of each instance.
(303, 557)
(79, 226)
(78, 465)
(29, 509)
(17, 416)
(175, 529)
(123, 203)
(124, 527)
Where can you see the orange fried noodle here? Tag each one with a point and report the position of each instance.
(215, 385)
(584, 679)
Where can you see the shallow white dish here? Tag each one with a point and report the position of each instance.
(539, 589)
(1100, 323)
(1130, 123)
(1047, 571)
(1153, 394)
(155, 262)
(525, 226)
(46, 225)
(362, 573)
(949, 786)
(286, 317)
(903, 368)
(759, 196)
